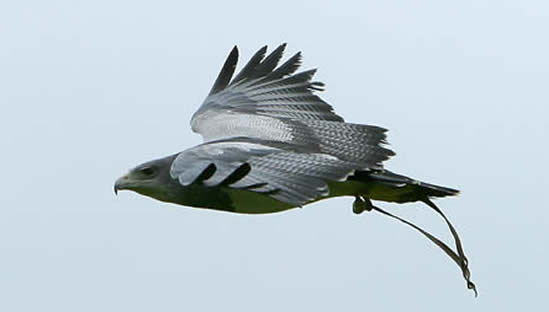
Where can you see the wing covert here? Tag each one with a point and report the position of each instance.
(294, 178)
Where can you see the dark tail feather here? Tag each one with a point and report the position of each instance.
(412, 190)
(437, 190)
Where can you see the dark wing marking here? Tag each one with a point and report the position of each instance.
(294, 178)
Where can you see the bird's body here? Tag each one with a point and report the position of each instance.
(271, 144)
(381, 186)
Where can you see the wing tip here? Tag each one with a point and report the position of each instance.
(234, 49)
(226, 72)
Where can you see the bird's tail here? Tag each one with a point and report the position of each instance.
(388, 186)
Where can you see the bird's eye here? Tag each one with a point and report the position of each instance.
(148, 171)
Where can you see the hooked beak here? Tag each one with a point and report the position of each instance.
(120, 184)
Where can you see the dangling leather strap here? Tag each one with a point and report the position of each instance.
(458, 258)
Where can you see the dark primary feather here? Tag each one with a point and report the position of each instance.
(269, 63)
(288, 68)
(265, 69)
(226, 72)
(251, 65)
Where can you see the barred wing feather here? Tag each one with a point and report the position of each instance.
(291, 177)
(270, 103)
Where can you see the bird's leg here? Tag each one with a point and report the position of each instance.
(360, 204)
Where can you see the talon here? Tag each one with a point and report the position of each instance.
(367, 204)
(359, 205)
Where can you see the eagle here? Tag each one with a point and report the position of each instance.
(272, 144)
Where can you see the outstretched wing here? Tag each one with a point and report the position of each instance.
(272, 103)
(291, 177)
(258, 96)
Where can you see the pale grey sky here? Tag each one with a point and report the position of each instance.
(89, 89)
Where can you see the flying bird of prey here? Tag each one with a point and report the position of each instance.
(272, 144)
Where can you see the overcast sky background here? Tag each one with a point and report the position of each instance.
(88, 89)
